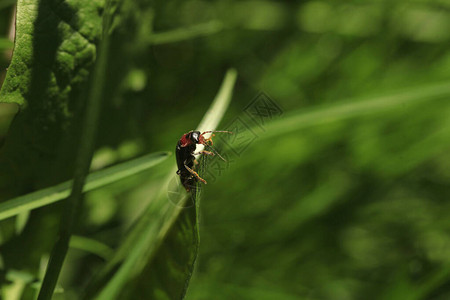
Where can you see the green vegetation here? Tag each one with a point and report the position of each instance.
(335, 186)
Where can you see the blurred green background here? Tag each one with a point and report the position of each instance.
(356, 208)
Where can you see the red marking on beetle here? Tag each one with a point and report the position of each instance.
(185, 155)
(185, 141)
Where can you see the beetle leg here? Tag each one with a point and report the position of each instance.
(213, 131)
(195, 174)
(204, 152)
(207, 141)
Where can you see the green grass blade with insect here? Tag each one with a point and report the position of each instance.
(158, 254)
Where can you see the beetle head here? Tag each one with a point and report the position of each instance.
(195, 137)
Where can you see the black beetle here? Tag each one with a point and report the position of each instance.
(185, 155)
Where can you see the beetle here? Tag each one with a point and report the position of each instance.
(185, 155)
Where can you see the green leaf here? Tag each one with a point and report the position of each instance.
(55, 48)
(158, 255)
(54, 51)
(95, 180)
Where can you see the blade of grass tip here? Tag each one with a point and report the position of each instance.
(72, 206)
(326, 114)
(217, 110)
(94, 180)
(141, 244)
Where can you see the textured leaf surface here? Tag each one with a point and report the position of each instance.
(54, 51)
(55, 48)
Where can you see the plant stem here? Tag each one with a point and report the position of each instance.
(72, 206)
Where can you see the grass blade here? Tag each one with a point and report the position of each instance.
(90, 245)
(183, 34)
(95, 180)
(326, 114)
(164, 229)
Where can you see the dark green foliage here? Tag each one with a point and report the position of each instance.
(345, 196)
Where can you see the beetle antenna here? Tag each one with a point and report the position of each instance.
(209, 143)
(216, 152)
(212, 131)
